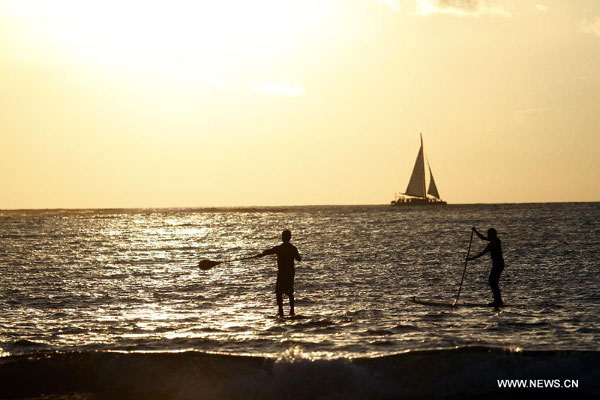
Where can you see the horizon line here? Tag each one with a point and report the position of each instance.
(277, 206)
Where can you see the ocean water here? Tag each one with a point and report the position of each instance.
(98, 282)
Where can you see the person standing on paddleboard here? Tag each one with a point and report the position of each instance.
(286, 254)
(495, 250)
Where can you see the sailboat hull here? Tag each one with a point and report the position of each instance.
(417, 202)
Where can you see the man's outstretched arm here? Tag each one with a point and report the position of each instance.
(482, 237)
(487, 249)
(266, 252)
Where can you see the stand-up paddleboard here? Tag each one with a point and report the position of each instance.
(449, 304)
(290, 317)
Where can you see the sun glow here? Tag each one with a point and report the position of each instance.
(206, 40)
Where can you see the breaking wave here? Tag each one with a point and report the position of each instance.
(468, 372)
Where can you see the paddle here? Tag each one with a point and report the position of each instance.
(208, 264)
(465, 270)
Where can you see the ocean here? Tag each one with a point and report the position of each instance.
(111, 302)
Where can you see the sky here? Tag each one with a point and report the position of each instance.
(271, 102)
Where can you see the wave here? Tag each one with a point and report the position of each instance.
(470, 372)
(29, 344)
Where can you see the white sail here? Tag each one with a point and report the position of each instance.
(432, 188)
(416, 185)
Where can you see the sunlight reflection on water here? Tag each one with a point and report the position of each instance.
(129, 280)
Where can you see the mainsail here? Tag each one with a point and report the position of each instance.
(416, 185)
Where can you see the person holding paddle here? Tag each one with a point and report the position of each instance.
(286, 254)
(495, 250)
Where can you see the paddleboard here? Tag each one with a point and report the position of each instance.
(449, 304)
(290, 317)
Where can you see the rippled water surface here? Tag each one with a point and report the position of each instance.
(128, 279)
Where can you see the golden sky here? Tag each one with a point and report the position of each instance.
(272, 102)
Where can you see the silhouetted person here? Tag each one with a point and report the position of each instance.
(286, 254)
(494, 247)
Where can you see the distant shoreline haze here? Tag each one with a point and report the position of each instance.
(260, 208)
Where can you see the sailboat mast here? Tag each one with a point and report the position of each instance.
(423, 167)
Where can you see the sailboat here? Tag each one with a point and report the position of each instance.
(415, 192)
